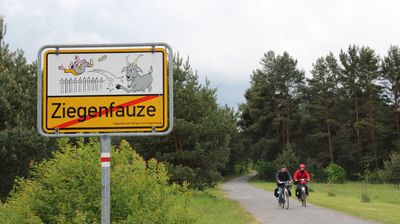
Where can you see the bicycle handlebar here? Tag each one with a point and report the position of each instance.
(284, 182)
(303, 179)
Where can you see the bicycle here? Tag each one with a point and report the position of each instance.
(303, 193)
(285, 194)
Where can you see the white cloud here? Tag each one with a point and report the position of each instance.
(224, 39)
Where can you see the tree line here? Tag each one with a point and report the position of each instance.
(347, 112)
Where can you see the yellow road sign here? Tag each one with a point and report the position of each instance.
(97, 90)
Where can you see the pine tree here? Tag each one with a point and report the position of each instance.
(20, 145)
(391, 73)
(323, 96)
(269, 115)
(362, 65)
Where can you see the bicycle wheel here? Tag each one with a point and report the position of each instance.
(281, 199)
(287, 199)
(303, 198)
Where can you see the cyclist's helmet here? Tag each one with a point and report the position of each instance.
(302, 166)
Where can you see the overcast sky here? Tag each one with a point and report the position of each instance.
(224, 39)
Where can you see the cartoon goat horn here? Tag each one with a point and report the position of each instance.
(136, 59)
(127, 61)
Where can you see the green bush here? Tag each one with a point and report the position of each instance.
(180, 174)
(265, 170)
(18, 207)
(335, 174)
(241, 168)
(391, 169)
(377, 177)
(67, 189)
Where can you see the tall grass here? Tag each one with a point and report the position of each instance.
(210, 206)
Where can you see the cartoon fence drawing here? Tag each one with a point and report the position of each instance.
(81, 85)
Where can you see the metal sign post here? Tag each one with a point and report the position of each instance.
(105, 142)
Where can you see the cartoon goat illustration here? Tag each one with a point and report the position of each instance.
(136, 81)
(77, 67)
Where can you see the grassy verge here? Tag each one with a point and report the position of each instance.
(383, 207)
(210, 206)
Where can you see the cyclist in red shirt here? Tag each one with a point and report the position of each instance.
(301, 177)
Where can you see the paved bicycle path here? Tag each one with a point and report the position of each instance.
(264, 207)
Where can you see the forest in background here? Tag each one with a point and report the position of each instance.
(346, 113)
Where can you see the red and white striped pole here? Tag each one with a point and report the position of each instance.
(105, 160)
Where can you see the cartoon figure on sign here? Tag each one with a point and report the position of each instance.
(77, 67)
(136, 81)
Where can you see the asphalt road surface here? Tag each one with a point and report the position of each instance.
(264, 207)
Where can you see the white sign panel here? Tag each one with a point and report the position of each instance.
(108, 89)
